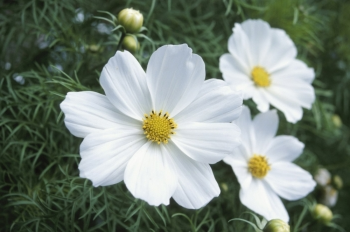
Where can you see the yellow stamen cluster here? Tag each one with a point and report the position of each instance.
(261, 77)
(258, 166)
(158, 127)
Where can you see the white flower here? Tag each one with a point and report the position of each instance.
(262, 64)
(158, 131)
(262, 164)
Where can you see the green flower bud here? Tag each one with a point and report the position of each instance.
(276, 225)
(131, 20)
(94, 48)
(337, 182)
(337, 121)
(129, 43)
(322, 213)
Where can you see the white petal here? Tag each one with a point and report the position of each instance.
(260, 100)
(295, 69)
(196, 182)
(174, 77)
(233, 73)
(238, 78)
(292, 111)
(207, 142)
(265, 128)
(124, 83)
(296, 91)
(281, 53)
(260, 198)
(284, 148)
(88, 112)
(258, 33)
(239, 163)
(290, 181)
(244, 122)
(216, 102)
(150, 174)
(106, 153)
(239, 47)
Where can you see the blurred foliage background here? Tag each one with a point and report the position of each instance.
(51, 47)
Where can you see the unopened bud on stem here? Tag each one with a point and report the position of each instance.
(131, 20)
(322, 213)
(129, 43)
(276, 225)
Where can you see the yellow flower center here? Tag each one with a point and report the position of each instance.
(158, 127)
(258, 166)
(261, 77)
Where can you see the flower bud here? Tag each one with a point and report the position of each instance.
(276, 225)
(94, 48)
(129, 43)
(337, 182)
(329, 196)
(337, 121)
(131, 20)
(322, 213)
(322, 177)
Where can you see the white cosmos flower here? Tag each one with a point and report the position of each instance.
(262, 64)
(158, 131)
(263, 166)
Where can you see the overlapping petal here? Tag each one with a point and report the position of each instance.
(124, 83)
(239, 163)
(106, 153)
(207, 142)
(239, 47)
(174, 76)
(281, 52)
(87, 112)
(296, 68)
(216, 102)
(290, 181)
(265, 127)
(284, 148)
(259, 35)
(151, 175)
(196, 182)
(260, 198)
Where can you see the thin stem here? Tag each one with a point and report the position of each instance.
(121, 40)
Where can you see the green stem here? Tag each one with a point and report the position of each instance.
(120, 41)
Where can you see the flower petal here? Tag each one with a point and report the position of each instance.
(196, 182)
(174, 77)
(260, 100)
(281, 53)
(106, 153)
(258, 33)
(216, 102)
(88, 112)
(265, 128)
(150, 174)
(244, 122)
(292, 110)
(239, 47)
(260, 198)
(296, 91)
(290, 181)
(284, 148)
(237, 77)
(239, 163)
(295, 69)
(124, 83)
(207, 142)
